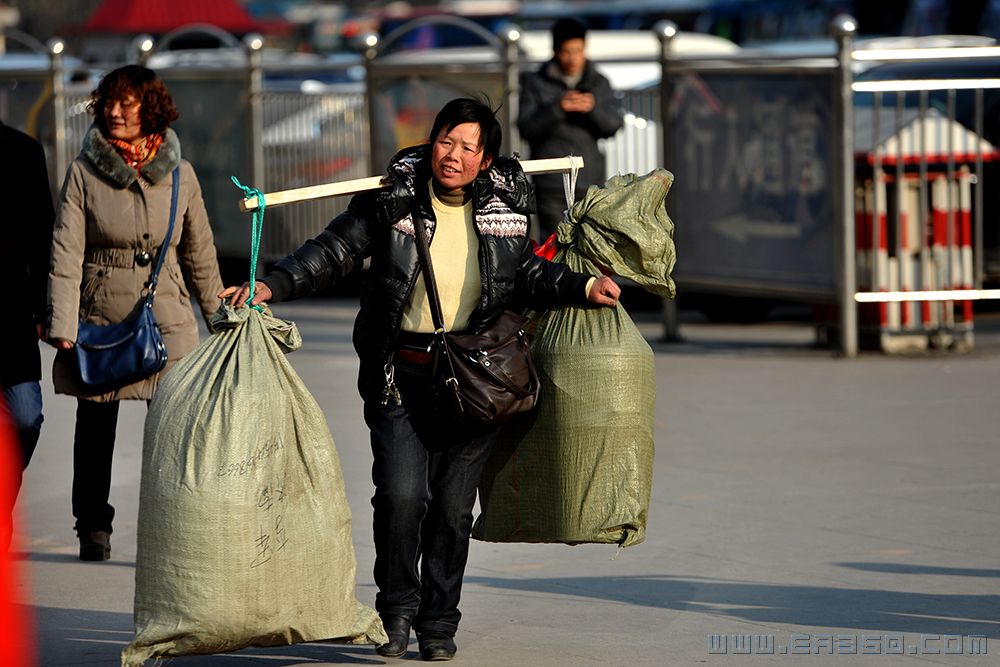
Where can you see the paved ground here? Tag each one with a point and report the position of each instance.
(799, 500)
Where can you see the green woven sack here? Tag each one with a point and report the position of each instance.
(244, 534)
(580, 468)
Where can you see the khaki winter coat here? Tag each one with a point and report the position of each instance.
(107, 214)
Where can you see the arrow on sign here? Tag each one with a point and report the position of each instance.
(740, 229)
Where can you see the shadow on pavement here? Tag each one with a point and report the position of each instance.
(903, 568)
(80, 636)
(85, 636)
(864, 609)
(48, 557)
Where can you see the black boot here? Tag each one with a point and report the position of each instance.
(436, 646)
(398, 629)
(95, 545)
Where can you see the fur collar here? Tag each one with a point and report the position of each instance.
(110, 164)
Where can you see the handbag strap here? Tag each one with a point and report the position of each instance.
(424, 254)
(174, 190)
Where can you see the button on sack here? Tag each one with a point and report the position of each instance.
(244, 534)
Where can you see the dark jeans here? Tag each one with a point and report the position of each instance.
(550, 201)
(550, 214)
(426, 473)
(93, 451)
(21, 409)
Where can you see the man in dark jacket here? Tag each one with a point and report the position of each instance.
(24, 259)
(566, 106)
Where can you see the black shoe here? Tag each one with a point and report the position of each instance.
(95, 545)
(436, 646)
(398, 630)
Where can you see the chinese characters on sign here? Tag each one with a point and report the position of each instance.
(753, 193)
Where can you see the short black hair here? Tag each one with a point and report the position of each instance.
(468, 110)
(566, 29)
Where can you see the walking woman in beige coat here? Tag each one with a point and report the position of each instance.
(111, 223)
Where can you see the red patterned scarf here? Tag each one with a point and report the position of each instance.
(137, 155)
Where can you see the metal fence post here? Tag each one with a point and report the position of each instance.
(370, 47)
(254, 44)
(509, 37)
(255, 89)
(56, 47)
(142, 48)
(977, 221)
(843, 28)
(666, 31)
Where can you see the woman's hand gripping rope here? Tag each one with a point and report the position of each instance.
(253, 292)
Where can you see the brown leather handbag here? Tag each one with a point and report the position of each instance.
(485, 377)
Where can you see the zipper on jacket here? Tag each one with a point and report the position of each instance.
(409, 291)
(484, 251)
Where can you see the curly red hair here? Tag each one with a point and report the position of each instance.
(157, 110)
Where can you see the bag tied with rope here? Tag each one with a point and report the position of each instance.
(580, 469)
(244, 533)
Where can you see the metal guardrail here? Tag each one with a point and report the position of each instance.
(281, 138)
(931, 258)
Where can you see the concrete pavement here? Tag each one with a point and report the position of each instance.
(801, 503)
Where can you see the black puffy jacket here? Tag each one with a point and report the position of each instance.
(379, 225)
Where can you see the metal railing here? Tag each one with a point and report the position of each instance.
(771, 183)
(923, 170)
(921, 193)
(319, 137)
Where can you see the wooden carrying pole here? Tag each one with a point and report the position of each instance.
(548, 166)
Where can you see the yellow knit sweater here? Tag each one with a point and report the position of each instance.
(455, 258)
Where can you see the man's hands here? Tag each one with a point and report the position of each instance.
(604, 292)
(575, 101)
(238, 295)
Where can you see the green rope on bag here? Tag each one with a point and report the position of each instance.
(256, 229)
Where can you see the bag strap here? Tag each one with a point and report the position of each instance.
(424, 254)
(174, 190)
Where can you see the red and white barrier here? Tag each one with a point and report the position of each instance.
(919, 257)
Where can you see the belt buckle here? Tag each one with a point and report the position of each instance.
(142, 258)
